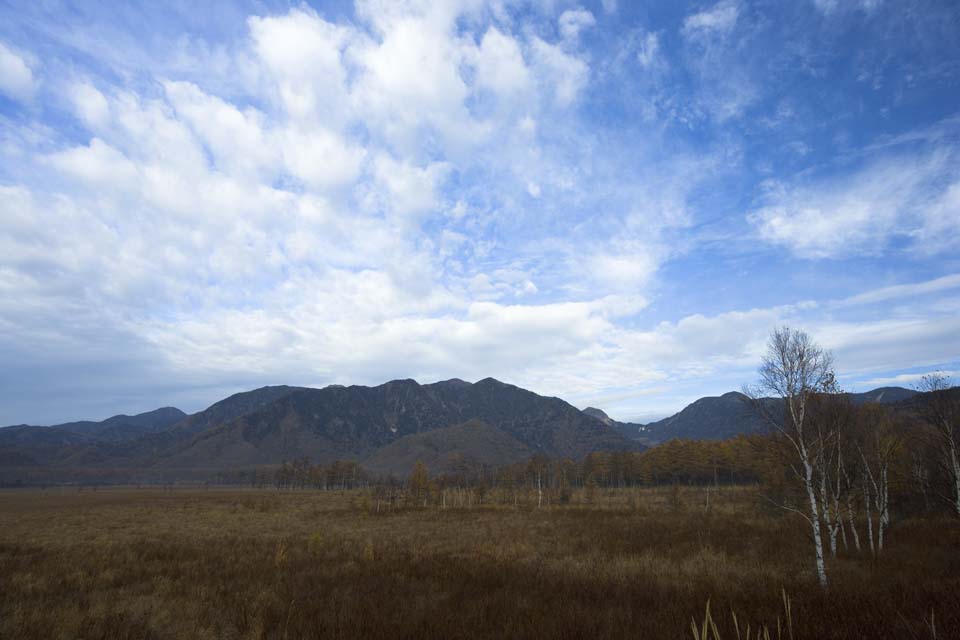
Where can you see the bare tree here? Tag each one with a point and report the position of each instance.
(941, 411)
(793, 370)
(831, 417)
(877, 442)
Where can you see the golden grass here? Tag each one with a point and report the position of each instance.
(234, 563)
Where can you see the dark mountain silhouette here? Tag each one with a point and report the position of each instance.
(267, 426)
(232, 407)
(599, 414)
(883, 395)
(354, 422)
(387, 428)
(729, 415)
(711, 418)
(630, 430)
(123, 427)
(40, 445)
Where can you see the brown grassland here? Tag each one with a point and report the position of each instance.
(629, 563)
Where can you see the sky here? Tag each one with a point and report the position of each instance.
(610, 202)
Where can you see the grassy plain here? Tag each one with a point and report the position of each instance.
(235, 563)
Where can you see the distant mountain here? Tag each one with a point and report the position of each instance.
(600, 415)
(630, 430)
(711, 418)
(729, 415)
(122, 427)
(35, 446)
(388, 427)
(883, 395)
(231, 408)
(355, 422)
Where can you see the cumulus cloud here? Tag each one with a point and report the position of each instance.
(16, 77)
(415, 189)
(90, 105)
(500, 65)
(565, 74)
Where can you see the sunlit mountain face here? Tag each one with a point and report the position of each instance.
(613, 203)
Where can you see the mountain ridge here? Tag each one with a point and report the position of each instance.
(450, 422)
(726, 416)
(269, 425)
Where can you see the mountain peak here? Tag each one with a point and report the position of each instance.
(492, 382)
(599, 414)
(455, 382)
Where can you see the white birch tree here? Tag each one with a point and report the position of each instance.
(877, 443)
(793, 370)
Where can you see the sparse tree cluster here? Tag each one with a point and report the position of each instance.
(839, 466)
(302, 474)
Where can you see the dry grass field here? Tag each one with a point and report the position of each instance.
(234, 563)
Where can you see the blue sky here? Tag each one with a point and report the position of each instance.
(609, 202)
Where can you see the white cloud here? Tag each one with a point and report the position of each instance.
(90, 105)
(414, 193)
(860, 214)
(408, 189)
(16, 77)
(939, 228)
(303, 56)
(98, 164)
(830, 6)
(624, 271)
(720, 18)
(901, 291)
(500, 65)
(647, 52)
(566, 74)
(321, 158)
(574, 21)
(237, 140)
(907, 379)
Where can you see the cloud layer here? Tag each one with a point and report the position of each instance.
(529, 191)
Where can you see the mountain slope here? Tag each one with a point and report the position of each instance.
(729, 415)
(449, 450)
(354, 422)
(630, 430)
(122, 427)
(230, 408)
(28, 445)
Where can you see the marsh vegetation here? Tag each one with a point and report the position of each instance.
(610, 563)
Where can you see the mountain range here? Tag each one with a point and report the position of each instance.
(726, 416)
(386, 429)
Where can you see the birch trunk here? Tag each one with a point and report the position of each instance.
(539, 491)
(853, 523)
(883, 506)
(955, 462)
(815, 523)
